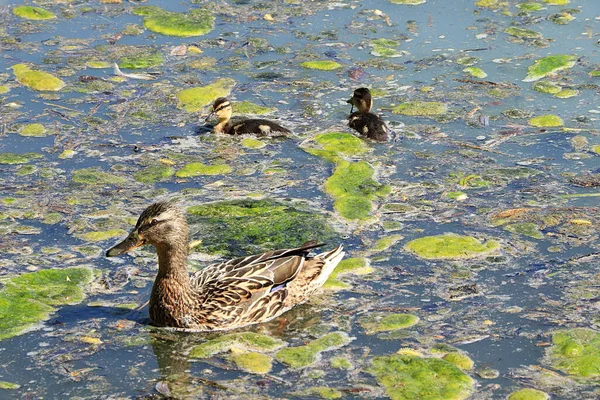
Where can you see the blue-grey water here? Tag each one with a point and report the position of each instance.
(534, 286)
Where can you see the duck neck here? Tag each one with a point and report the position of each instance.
(220, 127)
(171, 262)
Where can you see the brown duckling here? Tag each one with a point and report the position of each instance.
(222, 110)
(364, 121)
(225, 295)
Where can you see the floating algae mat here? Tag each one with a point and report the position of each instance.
(471, 237)
(412, 377)
(30, 298)
(249, 226)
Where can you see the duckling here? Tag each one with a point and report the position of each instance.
(222, 110)
(364, 121)
(225, 295)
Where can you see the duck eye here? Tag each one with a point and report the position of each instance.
(153, 222)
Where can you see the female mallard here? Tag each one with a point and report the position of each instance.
(222, 110)
(364, 121)
(225, 295)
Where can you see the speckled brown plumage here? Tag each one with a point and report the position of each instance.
(224, 295)
(364, 121)
(222, 110)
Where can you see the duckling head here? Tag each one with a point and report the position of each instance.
(361, 99)
(221, 109)
(162, 225)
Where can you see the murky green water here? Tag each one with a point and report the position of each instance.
(478, 169)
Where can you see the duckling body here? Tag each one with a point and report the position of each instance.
(226, 295)
(222, 110)
(364, 121)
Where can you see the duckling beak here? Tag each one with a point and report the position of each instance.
(350, 101)
(131, 242)
(210, 116)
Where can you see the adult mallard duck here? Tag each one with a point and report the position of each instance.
(364, 121)
(226, 295)
(222, 110)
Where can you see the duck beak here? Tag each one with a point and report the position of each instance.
(131, 242)
(210, 116)
(350, 101)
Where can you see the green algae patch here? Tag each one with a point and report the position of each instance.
(98, 64)
(386, 242)
(385, 48)
(250, 143)
(322, 392)
(321, 65)
(251, 226)
(354, 266)
(391, 322)
(548, 65)
(421, 108)
(303, 356)
(196, 22)
(247, 107)
(412, 377)
(450, 247)
(9, 385)
(37, 80)
(253, 362)
(333, 145)
(35, 130)
(525, 228)
(530, 6)
(4, 89)
(528, 394)
(99, 236)
(30, 298)
(353, 188)
(141, 61)
(475, 72)
(14, 158)
(522, 33)
(340, 363)
(195, 99)
(557, 2)
(248, 341)
(462, 361)
(596, 149)
(546, 87)
(154, 173)
(35, 13)
(546, 121)
(576, 352)
(198, 169)
(95, 176)
(566, 93)
(408, 2)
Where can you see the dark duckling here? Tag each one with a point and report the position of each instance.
(364, 121)
(222, 110)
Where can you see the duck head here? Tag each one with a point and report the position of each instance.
(162, 225)
(361, 99)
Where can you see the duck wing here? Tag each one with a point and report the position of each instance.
(248, 289)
